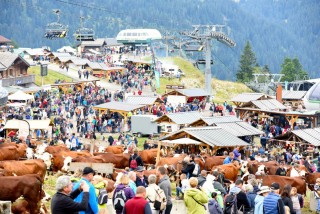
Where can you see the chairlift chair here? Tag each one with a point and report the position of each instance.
(56, 30)
(84, 34)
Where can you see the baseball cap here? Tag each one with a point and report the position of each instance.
(275, 186)
(88, 170)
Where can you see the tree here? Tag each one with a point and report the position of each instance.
(292, 70)
(247, 64)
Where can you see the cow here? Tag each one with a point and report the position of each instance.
(230, 170)
(21, 206)
(57, 149)
(10, 168)
(47, 158)
(211, 161)
(297, 182)
(59, 158)
(118, 160)
(29, 153)
(115, 149)
(149, 156)
(9, 153)
(311, 179)
(28, 186)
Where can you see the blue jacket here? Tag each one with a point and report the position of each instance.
(93, 200)
(258, 204)
(227, 160)
(251, 196)
(271, 204)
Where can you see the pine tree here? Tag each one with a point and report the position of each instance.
(247, 64)
(292, 70)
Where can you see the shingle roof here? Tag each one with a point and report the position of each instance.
(112, 42)
(193, 92)
(311, 136)
(220, 119)
(145, 100)
(58, 54)
(4, 39)
(239, 129)
(293, 95)
(121, 106)
(35, 51)
(79, 61)
(97, 65)
(8, 58)
(182, 117)
(247, 97)
(97, 42)
(66, 58)
(213, 136)
(270, 104)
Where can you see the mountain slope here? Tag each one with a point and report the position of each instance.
(276, 29)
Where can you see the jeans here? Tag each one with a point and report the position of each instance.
(179, 190)
(168, 209)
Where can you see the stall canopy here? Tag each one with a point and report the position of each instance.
(20, 95)
(34, 124)
(183, 141)
(212, 136)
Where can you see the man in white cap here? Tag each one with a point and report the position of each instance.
(258, 201)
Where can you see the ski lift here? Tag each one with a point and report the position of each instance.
(56, 30)
(84, 34)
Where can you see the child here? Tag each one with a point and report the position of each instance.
(214, 207)
(184, 186)
(297, 200)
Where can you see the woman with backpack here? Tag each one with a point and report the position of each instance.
(122, 193)
(99, 184)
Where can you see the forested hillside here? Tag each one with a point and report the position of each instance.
(275, 28)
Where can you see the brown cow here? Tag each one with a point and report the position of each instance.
(119, 160)
(28, 186)
(297, 182)
(9, 153)
(230, 170)
(56, 149)
(36, 166)
(311, 179)
(148, 156)
(211, 161)
(115, 149)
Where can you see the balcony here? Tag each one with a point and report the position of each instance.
(19, 80)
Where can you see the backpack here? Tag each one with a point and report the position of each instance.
(119, 200)
(230, 204)
(196, 170)
(160, 201)
(103, 196)
(134, 163)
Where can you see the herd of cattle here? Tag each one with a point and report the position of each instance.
(25, 177)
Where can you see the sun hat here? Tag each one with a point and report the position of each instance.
(263, 189)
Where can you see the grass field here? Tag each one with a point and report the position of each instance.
(194, 78)
(50, 78)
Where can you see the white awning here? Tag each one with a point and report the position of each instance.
(34, 124)
(20, 95)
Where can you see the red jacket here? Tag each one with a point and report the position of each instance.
(137, 205)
